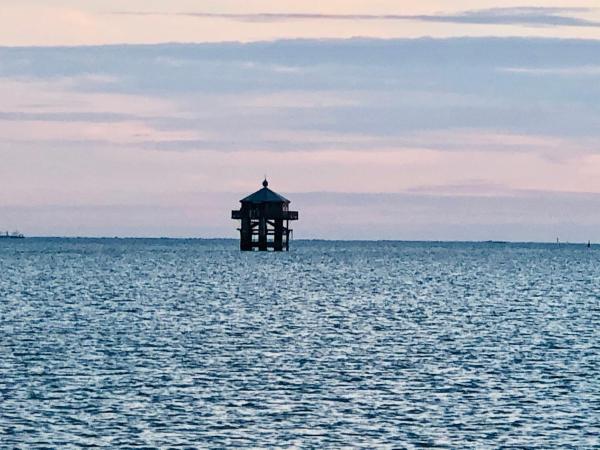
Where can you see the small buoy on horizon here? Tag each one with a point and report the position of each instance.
(589, 244)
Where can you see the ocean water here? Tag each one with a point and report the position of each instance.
(190, 343)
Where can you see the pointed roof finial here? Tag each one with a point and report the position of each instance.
(265, 182)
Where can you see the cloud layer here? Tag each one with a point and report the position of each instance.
(523, 16)
(434, 124)
(96, 22)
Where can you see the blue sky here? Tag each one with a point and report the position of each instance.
(471, 122)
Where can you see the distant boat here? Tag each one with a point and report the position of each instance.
(13, 235)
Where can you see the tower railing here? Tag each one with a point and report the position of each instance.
(256, 214)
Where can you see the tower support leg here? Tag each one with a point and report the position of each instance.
(278, 243)
(262, 235)
(246, 235)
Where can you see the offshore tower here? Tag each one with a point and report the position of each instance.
(265, 218)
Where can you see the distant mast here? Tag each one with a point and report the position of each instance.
(265, 218)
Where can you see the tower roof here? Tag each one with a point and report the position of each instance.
(265, 195)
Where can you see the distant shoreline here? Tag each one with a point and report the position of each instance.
(306, 240)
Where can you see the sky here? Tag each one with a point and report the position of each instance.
(432, 120)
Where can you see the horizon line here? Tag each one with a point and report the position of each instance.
(433, 241)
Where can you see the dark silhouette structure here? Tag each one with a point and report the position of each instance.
(13, 235)
(265, 218)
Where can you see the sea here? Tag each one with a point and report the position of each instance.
(165, 343)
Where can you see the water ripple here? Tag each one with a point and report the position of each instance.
(153, 343)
